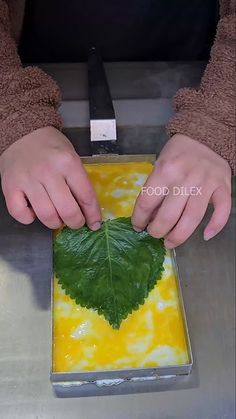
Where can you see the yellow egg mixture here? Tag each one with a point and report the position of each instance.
(151, 336)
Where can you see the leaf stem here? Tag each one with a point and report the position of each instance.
(110, 269)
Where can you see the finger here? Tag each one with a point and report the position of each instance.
(221, 200)
(150, 197)
(43, 206)
(167, 215)
(18, 206)
(85, 195)
(64, 202)
(192, 216)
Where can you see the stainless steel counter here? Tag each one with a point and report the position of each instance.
(208, 274)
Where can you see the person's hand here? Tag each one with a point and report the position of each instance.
(42, 176)
(187, 176)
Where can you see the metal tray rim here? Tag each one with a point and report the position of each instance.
(126, 374)
(118, 158)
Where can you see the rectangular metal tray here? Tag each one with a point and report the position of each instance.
(94, 382)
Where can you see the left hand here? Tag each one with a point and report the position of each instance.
(193, 175)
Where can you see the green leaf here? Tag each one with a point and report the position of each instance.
(111, 270)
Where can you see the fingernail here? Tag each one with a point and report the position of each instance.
(168, 244)
(138, 229)
(208, 234)
(96, 226)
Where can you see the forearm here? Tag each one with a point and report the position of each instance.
(208, 114)
(29, 99)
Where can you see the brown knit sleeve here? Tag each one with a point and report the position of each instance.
(208, 114)
(29, 99)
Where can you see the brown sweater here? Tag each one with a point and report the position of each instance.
(29, 99)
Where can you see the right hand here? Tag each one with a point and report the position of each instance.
(42, 176)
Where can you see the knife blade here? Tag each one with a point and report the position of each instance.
(103, 132)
